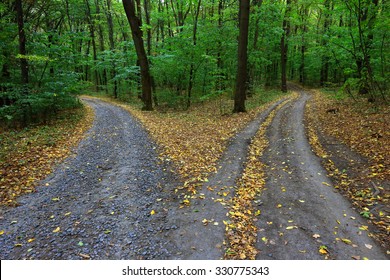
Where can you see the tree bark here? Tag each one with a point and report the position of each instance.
(22, 42)
(324, 43)
(134, 21)
(284, 46)
(192, 66)
(112, 44)
(241, 86)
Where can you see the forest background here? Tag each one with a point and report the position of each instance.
(53, 50)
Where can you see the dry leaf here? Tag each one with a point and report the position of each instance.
(346, 241)
(85, 256)
(316, 236)
(152, 212)
(323, 250)
(368, 246)
(291, 227)
(57, 229)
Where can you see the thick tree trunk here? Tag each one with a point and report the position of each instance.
(22, 42)
(136, 31)
(241, 86)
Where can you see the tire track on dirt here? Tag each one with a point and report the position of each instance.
(301, 212)
(201, 231)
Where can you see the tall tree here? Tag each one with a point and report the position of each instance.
(192, 66)
(135, 24)
(112, 43)
(241, 81)
(324, 42)
(22, 41)
(284, 45)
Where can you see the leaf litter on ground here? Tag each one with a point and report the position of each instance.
(364, 128)
(29, 155)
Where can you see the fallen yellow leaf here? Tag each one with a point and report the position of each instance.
(363, 228)
(323, 250)
(2, 232)
(152, 212)
(346, 241)
(57, 229)
(291, 227)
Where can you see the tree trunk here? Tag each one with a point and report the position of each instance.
(92, 34)
(112, 45)
(241, 86)
(22, 42)
(302, 74)
(284, 46)
(192, 66)
(324, 43)
(103, 80)
(134, 21)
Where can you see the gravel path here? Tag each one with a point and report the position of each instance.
(98, 203)
(300, 209)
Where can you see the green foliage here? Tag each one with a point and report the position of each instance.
(69, 49)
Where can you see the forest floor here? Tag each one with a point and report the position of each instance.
(204, 186)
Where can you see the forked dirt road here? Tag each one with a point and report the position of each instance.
(112, 200)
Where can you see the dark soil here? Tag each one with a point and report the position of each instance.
(199, 239)
(300, 209)
(357, 167)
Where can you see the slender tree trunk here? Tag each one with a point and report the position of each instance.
(324, 43)
(241, 86)
(284, 46)
(220, 73)
(22, 42)
(103, 80)
(112, 44)
(302, 74)
(134, 21)
(92, 34)
(192, 66)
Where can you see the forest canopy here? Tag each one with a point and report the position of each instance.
(52, 50)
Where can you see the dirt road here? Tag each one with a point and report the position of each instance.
(97, 204)
(302, 213)
(113, 200)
